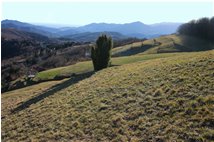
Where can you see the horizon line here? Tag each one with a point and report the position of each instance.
(78, 25)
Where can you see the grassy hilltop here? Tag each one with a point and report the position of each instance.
(160, 99)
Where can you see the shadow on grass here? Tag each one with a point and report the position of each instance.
(133, 51)
(52, 90)
(191, 44)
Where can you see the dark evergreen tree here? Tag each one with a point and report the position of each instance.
(101, 52)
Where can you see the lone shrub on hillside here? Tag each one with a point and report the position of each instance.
(101, 52)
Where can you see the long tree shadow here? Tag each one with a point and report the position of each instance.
(52, 90)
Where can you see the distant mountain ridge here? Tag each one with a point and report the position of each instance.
(135, 29)
(92, 36)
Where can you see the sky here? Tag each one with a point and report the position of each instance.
(82, 13)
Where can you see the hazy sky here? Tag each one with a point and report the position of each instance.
(80, 13)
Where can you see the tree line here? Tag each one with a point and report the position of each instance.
(201, 28)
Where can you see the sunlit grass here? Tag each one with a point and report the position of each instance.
(163, 99)
(87, 66)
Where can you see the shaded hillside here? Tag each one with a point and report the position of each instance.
(16, 42)
(14, 34)
(168, 99)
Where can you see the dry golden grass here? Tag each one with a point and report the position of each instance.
(167, 99)
(12, 99)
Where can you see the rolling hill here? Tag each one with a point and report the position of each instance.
(164, 44)
(167, 45)
(164, 99)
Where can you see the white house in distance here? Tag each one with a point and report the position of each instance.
(31, 73)
(88, 52)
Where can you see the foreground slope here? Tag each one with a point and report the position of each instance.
(162, 99)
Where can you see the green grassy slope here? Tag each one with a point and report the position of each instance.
(83, 67)
(164, 44)
(156, 100)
